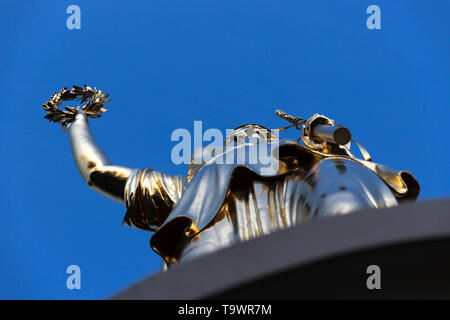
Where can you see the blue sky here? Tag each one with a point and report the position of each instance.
(168, 63)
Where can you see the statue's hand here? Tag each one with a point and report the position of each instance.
(80, 119)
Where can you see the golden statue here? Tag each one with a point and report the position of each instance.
(221, 203)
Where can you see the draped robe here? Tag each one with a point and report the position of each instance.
(227, 203)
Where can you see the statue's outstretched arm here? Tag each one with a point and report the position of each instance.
(93, 164)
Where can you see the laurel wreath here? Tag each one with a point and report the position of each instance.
(93, 100)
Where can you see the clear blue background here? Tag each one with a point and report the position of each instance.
(168, 63)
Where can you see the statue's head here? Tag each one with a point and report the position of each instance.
(245, 133)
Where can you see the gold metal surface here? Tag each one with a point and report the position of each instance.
(224, 204)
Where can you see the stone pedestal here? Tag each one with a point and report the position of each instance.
(327, 258)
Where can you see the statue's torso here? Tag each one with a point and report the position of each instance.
(224, 205)
(256, 206)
